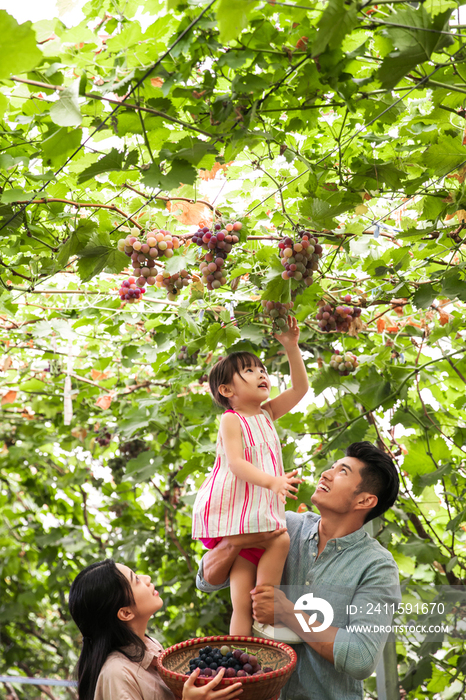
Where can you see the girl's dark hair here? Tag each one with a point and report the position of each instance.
(379, 476)
(226, 368)
(96, 595)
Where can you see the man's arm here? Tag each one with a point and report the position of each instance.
(356, 648)
(217, 562)
(271, 606)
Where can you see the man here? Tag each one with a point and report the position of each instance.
(332, 557)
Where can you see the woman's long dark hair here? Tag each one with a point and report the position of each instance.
(96, 595)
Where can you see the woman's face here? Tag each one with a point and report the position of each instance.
(146, 599)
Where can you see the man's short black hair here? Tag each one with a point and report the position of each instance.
(379, 476)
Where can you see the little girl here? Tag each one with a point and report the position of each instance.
(247, 488)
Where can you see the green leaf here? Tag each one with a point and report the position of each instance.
(218, 335)
(423, 551)
(180, 173)
(424, 296)
(444, 156)
(77, 241)
(193, 464)
(66, 112)
(143, 467)
(337, 21)
(135, 419)
(277, 289)
(95, 258)
(58, 144)
(374, 390)
(416, 44)
(18, 50)
(113, 161)
(453, 284)
(14, 195)
(232, 16)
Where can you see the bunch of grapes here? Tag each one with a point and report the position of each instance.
(218, 243)
(173, 283)
(104, 439)
(133, 448)
(344, 364)
(117, 465)
(300, 258)
(237, 662)
(130, 291)
(277, 312)
(336, 318)
(184, 356)
(158, 244)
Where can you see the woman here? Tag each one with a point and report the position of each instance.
(112, 606)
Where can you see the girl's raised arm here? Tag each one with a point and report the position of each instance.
(288, 399)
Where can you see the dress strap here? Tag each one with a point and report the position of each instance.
(245, 428)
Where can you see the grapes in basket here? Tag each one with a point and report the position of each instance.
(237, 662)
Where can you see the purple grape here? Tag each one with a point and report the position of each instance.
(230, 673)
(247, 668)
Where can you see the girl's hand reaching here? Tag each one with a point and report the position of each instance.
(208, 692)
(282, 485)
(289, 337)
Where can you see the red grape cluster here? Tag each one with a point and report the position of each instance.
(344, 364)
(218, 243)
(336, 318)
(184, 356)
(277, 312)
(130, 290)
(104, 439)
(173, 283)
(158, 244)
(236, 662)
(300, 258)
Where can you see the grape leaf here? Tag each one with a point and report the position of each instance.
(18, 50)
(66, 112)
(336, 22)
(113, 161)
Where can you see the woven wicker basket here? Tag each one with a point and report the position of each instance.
(173, 665)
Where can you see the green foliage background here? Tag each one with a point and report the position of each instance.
(345, 117)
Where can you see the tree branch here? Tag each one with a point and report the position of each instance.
(79, 205)
(94, 537)
(129, 105)
(175, 199)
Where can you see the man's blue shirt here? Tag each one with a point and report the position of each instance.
(354, 570)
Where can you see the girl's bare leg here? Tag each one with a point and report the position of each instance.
(272, 562)
(242, 581)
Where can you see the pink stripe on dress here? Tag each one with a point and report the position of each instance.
(212, 481)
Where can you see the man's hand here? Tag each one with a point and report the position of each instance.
(269, 604)
(217, 562)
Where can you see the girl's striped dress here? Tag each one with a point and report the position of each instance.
(226, 505)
